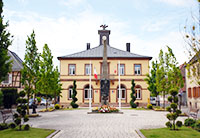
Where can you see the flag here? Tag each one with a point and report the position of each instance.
(95, 73)
(115, 71)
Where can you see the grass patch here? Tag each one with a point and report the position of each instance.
(183, 132)
(136, 109)
(32, 133)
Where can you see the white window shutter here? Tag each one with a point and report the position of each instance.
(10, 78)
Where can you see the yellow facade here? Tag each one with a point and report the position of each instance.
(82, 80)
(193, 91)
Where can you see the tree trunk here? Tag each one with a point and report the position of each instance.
(173, 124)
(164, 100)
(28, 94)
(46, 102)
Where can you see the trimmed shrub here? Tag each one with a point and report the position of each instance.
(12, 125)
(168, 124)
(133, 98)
(74, 99)
(9, 97)
(57, 106)
(3, 126)
(189, 122)
(149, 106)
(197, 125)
(26, 127)
(1, 98)
(179, 124)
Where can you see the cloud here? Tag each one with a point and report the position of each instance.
(176, 2)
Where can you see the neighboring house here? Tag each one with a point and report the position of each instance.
(77, 67)
(13, 78)
(193, 88)
(182, 91)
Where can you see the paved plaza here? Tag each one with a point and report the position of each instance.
(79, 124)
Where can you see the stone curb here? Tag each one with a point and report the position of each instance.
(53, 134)
(140, 134)
(105, 113)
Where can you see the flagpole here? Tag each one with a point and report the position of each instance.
(90, 94)
(119, 85)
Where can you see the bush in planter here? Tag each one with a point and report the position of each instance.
(57, 106)
(189, 122)
(133, 98)
(149, 106)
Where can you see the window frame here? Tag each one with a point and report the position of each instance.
(70, 92)
(88, 93)
(122, 94)
(85, 71)
(119, 69)
(69, 70)
(136, 93)
(137, 70)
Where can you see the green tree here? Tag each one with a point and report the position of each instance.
(46, 73)
(151, 80)
(168, 74)
(161, 77)
(174, 112)
(133, 98)
(30, 67)
(5, 42)
(74, 99)
(56, 85)
(1, 98)
(192, 39)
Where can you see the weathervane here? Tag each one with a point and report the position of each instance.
(104, 26)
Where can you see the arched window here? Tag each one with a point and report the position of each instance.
(87, 92)
(123, 92)
(138, 92)
(70, 92)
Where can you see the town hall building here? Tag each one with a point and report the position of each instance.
(77, 67)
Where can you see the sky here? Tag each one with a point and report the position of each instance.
(67, 25)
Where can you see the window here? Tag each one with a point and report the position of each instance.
(122, 70)
(138, 93)
(70, 92)
(72, 69)
(87, 92)
(8, 79)
(137, 68)
(189, 93)
(87, 69)
(123, 92)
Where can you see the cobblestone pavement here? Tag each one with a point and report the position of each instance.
(79, 124)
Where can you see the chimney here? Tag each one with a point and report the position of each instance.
(88, 46)
(102, 33)
(128, 47)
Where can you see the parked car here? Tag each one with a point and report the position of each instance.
(153, 100)
(43, 101)
(31, 103)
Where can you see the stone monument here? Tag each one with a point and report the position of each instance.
(105, 82)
